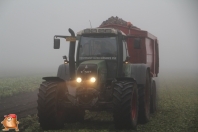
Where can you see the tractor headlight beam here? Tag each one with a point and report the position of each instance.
(78, 80)
(92, 79)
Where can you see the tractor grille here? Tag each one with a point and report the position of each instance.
(86, 71)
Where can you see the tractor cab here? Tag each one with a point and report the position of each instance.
(102, 44)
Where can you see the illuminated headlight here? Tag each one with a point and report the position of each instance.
(79, 80)
(93, 79)
(65, 61)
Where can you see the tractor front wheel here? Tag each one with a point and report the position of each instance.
(50, 112)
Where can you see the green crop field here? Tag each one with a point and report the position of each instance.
(18, 84)
(13, 85)
(177, 108)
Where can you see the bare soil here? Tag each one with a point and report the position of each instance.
(22, 104)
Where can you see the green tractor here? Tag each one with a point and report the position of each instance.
(98, 77)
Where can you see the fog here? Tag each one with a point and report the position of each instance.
(27, 29)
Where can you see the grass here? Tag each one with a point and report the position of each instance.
(14, 85)
(177, 111)
(11, 85)
(177, 107)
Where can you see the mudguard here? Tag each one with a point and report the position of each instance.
(125, 79)
(52, 79)
(63, 72)
(136, 71)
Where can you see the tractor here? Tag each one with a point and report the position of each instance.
(110, 68)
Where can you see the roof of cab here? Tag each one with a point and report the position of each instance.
(113, 31)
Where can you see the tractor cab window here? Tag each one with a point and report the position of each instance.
(97, 47)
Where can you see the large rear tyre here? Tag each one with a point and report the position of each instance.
(50, 112)
(125, 99)
(144, 100)
(153, 97)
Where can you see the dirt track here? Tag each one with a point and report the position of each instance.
(22, 104)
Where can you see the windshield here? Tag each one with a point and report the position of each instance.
(97, 48)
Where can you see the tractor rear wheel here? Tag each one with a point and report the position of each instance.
(50, 112)
(153, 98)
(125, 99)
(144, 100)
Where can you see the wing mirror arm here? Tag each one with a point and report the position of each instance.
(68, 38)
(57, 41)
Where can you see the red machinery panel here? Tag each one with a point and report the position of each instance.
(148, 52)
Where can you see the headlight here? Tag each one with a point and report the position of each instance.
(79, 80)
(93, 79)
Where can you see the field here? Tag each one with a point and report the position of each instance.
(13, 85)
(177, 106)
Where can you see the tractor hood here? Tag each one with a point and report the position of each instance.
(86, 70)
(93, 68)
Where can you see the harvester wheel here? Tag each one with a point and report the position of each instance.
(144, 101)
(50, 112)
(125, 99)
(153, 98)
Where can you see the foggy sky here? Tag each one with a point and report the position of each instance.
(27, 29)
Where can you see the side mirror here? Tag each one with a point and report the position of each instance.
(56, 43)
(137, 43)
